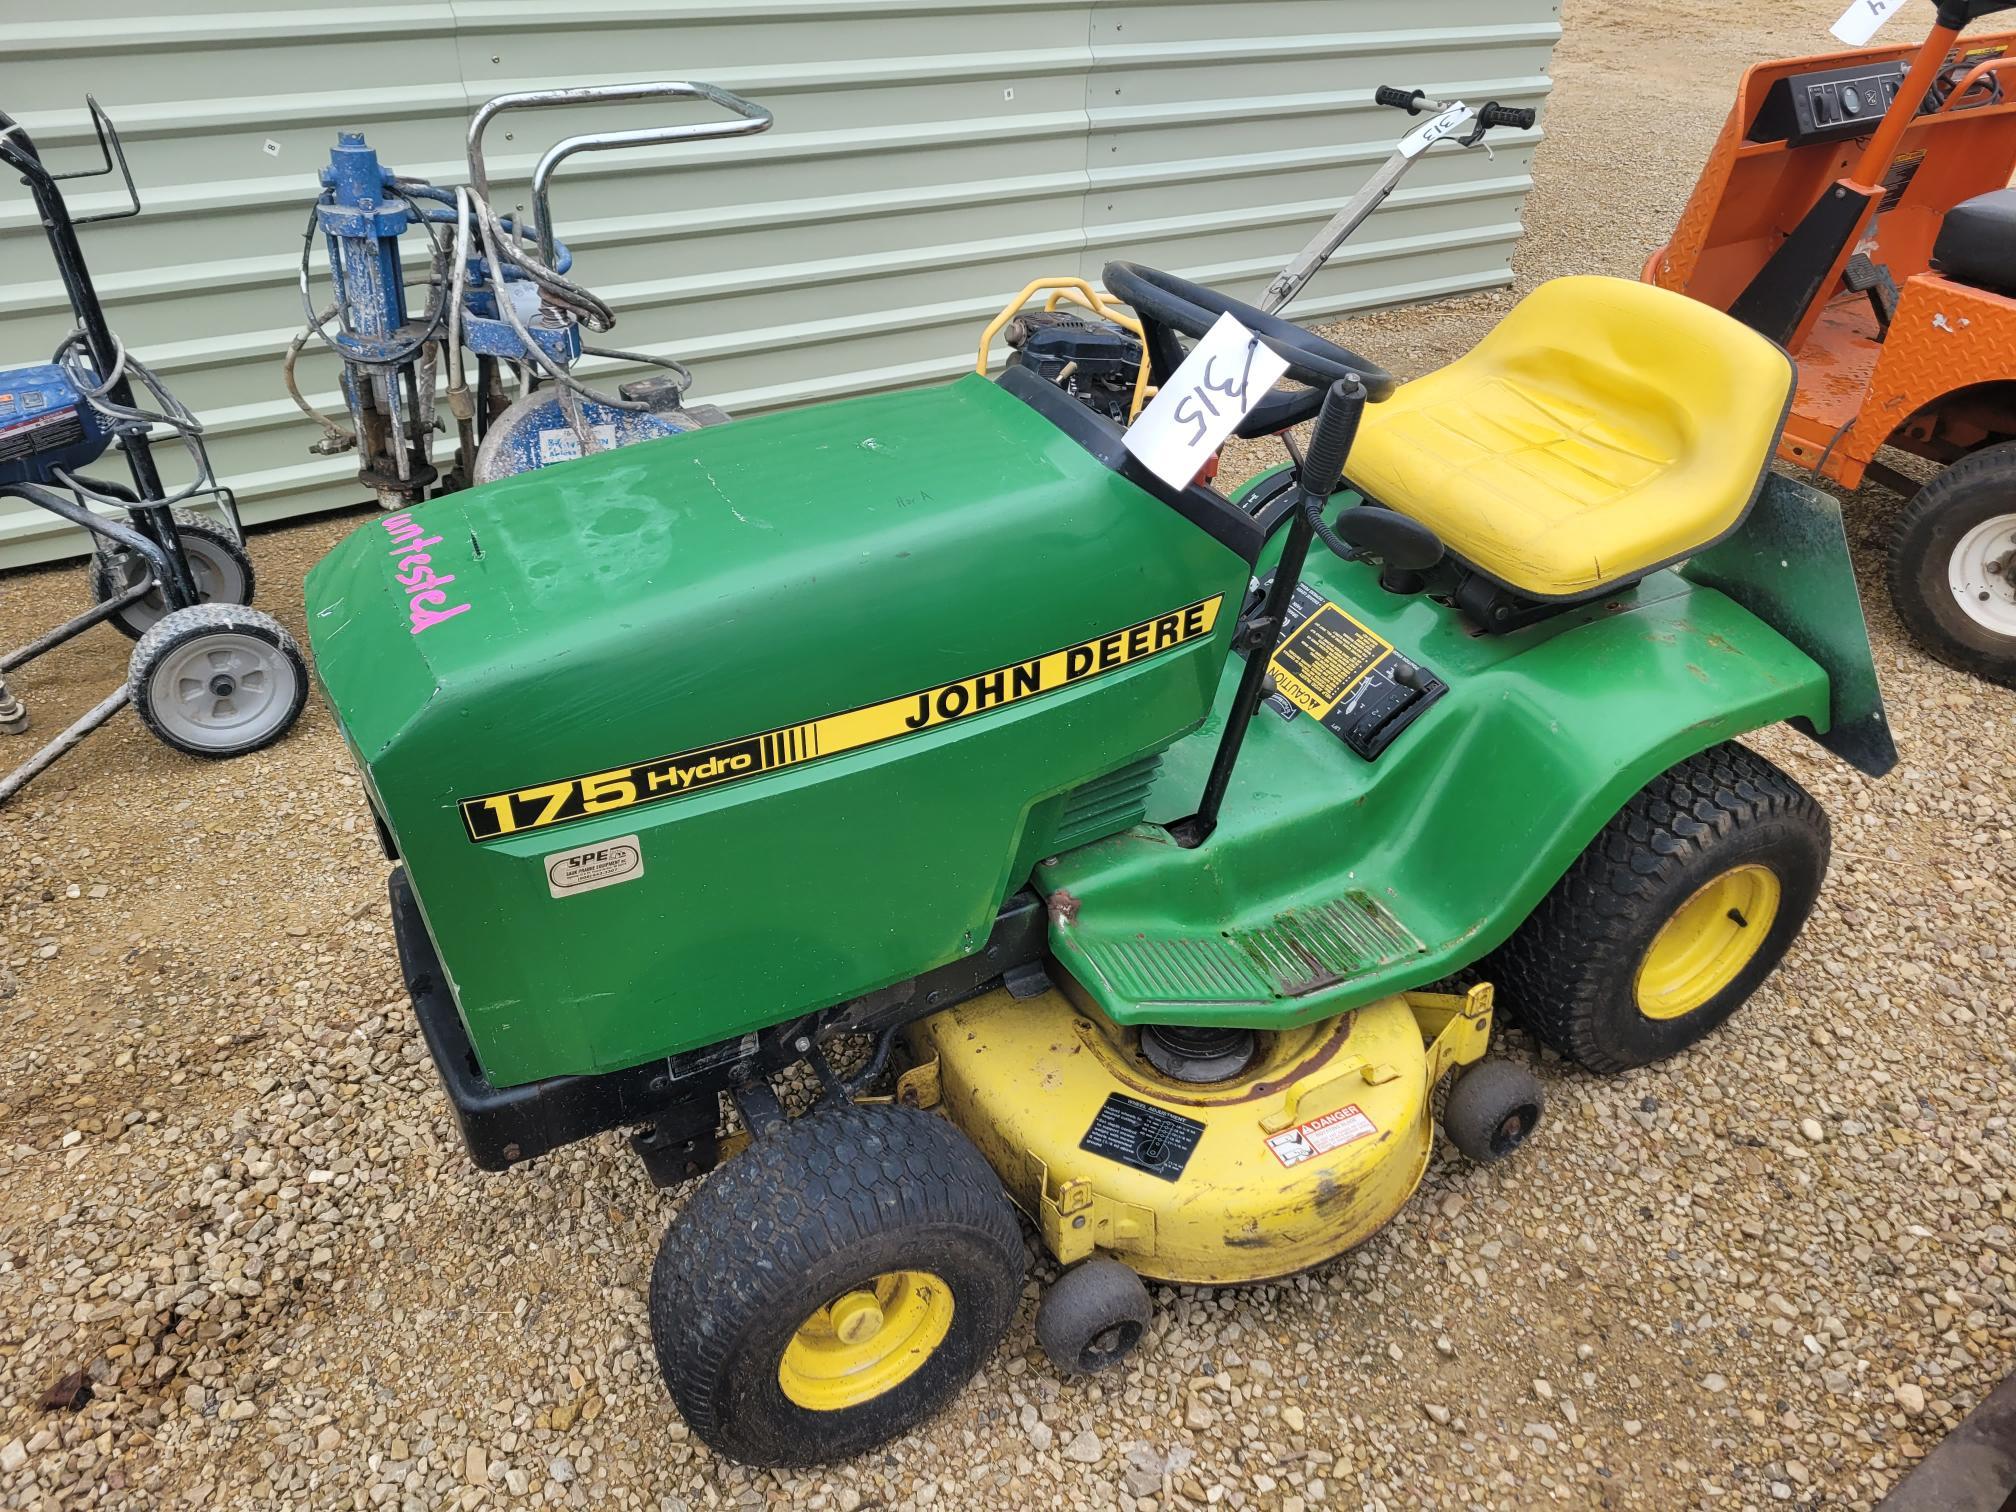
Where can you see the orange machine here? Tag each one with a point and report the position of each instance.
(1856, 209)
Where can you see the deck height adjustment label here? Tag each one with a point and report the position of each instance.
(495, 815)
(1143, 1136)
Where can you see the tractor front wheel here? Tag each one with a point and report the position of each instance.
(1952, 565)
(1675, 913)
(834, 1286)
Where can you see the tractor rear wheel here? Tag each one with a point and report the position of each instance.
(1675, 913)
(1952, 565)
(835, 1285)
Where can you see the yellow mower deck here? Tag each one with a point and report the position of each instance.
(1304, 1155)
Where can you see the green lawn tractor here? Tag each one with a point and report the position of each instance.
(1131, 827)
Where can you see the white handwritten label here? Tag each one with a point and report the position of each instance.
(1218, 385)
(1864, 18)
(1428, 133)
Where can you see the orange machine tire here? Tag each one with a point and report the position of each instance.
(1956, 540)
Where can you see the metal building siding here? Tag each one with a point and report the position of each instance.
(930, 157)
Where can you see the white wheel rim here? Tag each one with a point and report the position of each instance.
(1982, 574)
(222, 690)
(216, 574)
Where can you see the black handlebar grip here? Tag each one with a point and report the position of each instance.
(1495, 114)
(1330, 443)
(1399, 99)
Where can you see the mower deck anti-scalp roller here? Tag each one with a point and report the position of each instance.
(1104, 845)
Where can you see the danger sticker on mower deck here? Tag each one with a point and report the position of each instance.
(1320, 1136)
(495, 815)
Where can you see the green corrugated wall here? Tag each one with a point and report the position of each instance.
(929, 157)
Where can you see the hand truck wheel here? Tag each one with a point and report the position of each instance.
(218, 563)
(217, 680)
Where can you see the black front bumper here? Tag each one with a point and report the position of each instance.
(504, 1126)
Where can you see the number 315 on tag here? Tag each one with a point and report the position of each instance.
(1225, 376)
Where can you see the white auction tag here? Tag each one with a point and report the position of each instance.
(1218, 385)
(1864, 18)
(1428, 133)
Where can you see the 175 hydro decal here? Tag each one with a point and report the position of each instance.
(495, 815)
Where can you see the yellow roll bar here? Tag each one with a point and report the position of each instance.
(1078, 291)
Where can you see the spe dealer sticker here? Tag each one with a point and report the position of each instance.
(593, 866)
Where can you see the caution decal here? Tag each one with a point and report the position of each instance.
(495, 815)
(1324, 658)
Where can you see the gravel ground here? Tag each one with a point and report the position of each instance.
(243, 1262)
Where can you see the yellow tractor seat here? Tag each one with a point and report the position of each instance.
(1603, 429)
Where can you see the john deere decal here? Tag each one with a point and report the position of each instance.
(495, 815)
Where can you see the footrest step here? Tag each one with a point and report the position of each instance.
(1302, 951)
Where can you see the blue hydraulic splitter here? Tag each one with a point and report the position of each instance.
(497, 292)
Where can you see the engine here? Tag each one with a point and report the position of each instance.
(1093, 360)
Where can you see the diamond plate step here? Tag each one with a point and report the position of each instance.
(1301, 951)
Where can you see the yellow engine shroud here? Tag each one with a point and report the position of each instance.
(1307, 1153)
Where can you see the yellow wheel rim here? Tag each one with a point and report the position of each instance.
(1707, 943)
(866, 1342)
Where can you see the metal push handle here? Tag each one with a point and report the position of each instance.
(751, 118)
(19, 152)
(1489, 116)
(1510, 116)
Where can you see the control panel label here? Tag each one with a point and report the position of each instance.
(1324, 658)
(1346, 677)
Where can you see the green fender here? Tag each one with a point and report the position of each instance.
(1421, 861)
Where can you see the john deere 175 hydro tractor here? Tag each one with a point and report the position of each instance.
(1130, 826)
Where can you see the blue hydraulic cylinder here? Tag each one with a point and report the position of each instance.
(363, 225)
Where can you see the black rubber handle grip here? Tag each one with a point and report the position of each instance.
(1330, 443)
(1399, 99)
(1495, 114)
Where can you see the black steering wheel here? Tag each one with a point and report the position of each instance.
(1169, 306)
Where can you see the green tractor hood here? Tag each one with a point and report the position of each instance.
(675, 741)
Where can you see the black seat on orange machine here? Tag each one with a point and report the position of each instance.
(1977, 242)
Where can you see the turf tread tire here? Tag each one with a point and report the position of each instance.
(766, 1240)
(1568, 971)
(1976, 488)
